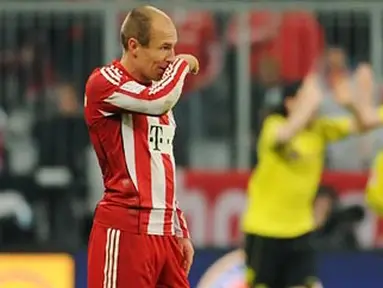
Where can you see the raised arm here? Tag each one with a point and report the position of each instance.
(154, 100)
(308, 101)
(359, 99)
(369, 117)
(354, 94)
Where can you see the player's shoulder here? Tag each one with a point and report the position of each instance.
(110, 78)
(106, 76)
(273, 119)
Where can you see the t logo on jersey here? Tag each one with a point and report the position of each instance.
(161, 138)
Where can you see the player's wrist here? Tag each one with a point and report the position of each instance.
(184, 64)
(191, 61)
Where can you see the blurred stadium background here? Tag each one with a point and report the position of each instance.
(49, 178)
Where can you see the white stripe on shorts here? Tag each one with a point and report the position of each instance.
(111, 258)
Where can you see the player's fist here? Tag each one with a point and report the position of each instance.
(364, 78)
(192, 61)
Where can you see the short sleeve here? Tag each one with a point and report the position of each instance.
(334, 129)
(268, 134)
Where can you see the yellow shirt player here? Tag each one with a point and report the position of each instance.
(369, 118)
(279, 216)
(283, 186)
(374, 190)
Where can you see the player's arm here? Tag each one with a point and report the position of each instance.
(308, 101)
(366, 115)
(183, 238)
(356, 97)
(154, 100)
(373, 118)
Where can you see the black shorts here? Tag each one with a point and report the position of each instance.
(280, 263)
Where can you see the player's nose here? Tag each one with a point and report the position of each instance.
(171, 57)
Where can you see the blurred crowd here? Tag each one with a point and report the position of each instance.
(45, 59)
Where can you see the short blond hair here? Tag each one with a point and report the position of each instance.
(138, 24)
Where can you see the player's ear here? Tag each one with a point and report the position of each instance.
(133, 46)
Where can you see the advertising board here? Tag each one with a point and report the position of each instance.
(214, 201)
(36, 271)
(224, 268)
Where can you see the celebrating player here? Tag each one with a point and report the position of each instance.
(279, 218)
(370, 117)
(374, 191)
(139, 236)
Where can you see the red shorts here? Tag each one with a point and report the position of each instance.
(119, 259)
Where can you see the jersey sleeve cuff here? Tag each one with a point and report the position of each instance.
(184, 65)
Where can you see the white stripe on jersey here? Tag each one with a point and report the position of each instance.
(116, 70)
(172, 119)
(115, 259)
(147, 106)
(105, 71)
(105, 114)
(158, 193)
(111, 258)
(176, 226)
(113, 73)
(127, 133)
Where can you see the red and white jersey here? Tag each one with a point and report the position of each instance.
(131, 127)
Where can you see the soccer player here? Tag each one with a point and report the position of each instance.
(139, 236)
(279, 217)
(370, 117)
(374, 190)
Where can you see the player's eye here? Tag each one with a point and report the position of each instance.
(166, 47)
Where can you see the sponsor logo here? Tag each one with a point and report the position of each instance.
(161, 138)
(213, 203)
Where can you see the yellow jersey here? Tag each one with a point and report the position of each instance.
(283, 186)
(374, 189)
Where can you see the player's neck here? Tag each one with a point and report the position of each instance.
(127, 64)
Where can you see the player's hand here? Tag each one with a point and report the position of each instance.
(364, 78)
(192, 61)
(187, 252)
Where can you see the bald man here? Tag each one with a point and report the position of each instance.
(139, 236)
